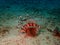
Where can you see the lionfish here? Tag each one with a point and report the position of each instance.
(30, 29)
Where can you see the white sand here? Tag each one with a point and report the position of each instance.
(15, 39)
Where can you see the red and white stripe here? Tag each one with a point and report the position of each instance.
(28, 25)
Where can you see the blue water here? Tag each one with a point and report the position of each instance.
(21, 7)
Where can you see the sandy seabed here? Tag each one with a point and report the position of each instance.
(44, 38)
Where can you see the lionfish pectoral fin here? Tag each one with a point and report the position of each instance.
(22, 31)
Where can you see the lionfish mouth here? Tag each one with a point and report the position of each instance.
(30, 29)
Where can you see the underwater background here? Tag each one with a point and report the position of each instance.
(11, 9)
(14, 14)
(21, 7)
